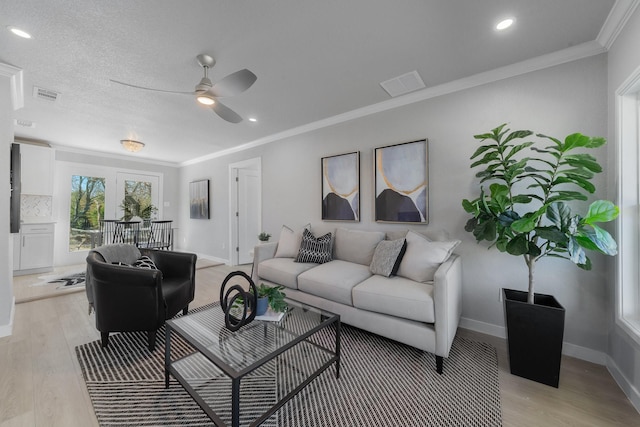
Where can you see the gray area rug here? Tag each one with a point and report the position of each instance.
(382, 383)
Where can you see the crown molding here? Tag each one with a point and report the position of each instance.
(16, 81)
(618, 17)
(570, 54)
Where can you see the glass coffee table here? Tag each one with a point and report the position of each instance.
(247, 375)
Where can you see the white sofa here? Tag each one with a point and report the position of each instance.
(419, 306)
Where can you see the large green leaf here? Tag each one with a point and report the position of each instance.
(577, 180)
(519, 245)
(601, 211)
(551, 234)
(576, 253)
(524, 225)
(487, 158)
(583, 160)
(596, 238)
(596, 142)
(575, 140)
(470, 207)
(517, 134)
(482, 149)
(559, 214)
(566, 196)
(517, 148)
(471, 224)
(485, 230)
(506, 218)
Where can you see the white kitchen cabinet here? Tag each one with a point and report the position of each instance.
(37, 170)
(35, 248)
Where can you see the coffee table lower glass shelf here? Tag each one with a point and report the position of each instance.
(244, 377)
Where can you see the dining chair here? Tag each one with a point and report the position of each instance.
(127, 232)
(107, 231)
(160, 235)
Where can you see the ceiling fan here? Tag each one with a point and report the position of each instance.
(208, 93)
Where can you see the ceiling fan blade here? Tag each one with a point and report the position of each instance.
(151, 89)
(225, 112)
(234, 83)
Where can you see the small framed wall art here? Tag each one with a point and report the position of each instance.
(401, 183)
(341, 187)
(199, 199)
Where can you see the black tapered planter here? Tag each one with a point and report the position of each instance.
(534, 334)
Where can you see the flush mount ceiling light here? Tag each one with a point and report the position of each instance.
(253, 119)
(20, 33)
(131, 145)
(504, 24)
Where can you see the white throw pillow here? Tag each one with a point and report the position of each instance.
(423, 257)
(289, 242)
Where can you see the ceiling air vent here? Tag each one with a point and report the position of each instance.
(24, 123)
(45, 94)
(403, 84)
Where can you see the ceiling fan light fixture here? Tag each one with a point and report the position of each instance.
(205, 99)
(131, 145)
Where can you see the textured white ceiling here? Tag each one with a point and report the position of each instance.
(313, 59)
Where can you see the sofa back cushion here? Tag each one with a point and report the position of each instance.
(356, 246)
(289, 242)
(423, 257)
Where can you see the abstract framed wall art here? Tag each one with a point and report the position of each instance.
(199, 199)
(401, 183)
(341, 187)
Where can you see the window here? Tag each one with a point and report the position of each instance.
(628, 226)
(137, 196)
(86, 210)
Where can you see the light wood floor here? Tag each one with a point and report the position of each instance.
(41, 383)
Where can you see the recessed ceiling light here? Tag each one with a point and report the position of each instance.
(20, 33)
(253, 119)
(504, 24)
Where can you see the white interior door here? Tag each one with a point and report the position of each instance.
(249, 215)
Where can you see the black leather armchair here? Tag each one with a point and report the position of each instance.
(129, 298)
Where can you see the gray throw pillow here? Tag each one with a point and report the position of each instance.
(314, 249)
(387, 257)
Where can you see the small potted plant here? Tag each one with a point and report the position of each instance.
(270, 297)
(526, 213)
(264, 236)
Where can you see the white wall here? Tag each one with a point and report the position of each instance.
(556, 101)
(624, 352)
(6, 246)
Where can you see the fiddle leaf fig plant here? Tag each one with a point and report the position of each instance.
(526, 210)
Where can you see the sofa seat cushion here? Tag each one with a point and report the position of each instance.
(396, 296)
(283, 271)
(333, 280)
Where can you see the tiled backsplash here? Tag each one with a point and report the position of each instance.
(35, 206)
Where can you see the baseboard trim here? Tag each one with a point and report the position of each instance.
(632, 393)
(568, 349)
(7, 330)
